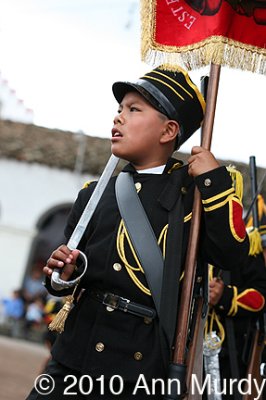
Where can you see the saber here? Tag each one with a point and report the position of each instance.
(56, 282)
(211, 350)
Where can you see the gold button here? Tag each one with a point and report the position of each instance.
(138, 356)
(138, 186)
(99, 347)
(183, 190)
(147, 320)
(207, 182)
(117, 267)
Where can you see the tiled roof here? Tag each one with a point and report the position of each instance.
(60, 149)
(52, 147)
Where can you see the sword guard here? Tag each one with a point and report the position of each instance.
(59, 284)
(211, 344)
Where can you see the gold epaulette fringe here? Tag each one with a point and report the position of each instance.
(237, 179)
(255, 245)
(261, 211)
(86, 184)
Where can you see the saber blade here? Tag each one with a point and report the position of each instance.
(56, 282)
(92, 203)
(211, 350)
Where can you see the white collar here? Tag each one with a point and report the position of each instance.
(154, 170)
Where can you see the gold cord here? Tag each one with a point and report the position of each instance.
(122, 239)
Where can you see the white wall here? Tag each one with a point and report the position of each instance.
(27, 192)
(14, 246)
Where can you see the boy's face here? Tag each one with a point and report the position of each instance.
(137, 132)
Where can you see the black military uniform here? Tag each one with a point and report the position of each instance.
(239, 309)
(98, 340)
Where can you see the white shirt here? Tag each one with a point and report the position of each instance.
(154, 170)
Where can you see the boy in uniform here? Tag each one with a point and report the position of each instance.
(155, 116)
(237, 298)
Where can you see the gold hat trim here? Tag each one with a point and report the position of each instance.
(164, 83)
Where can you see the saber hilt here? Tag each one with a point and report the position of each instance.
(59, 284)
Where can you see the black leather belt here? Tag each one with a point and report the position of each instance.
(120, 303)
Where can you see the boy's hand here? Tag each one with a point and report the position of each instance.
(216, 288)
(201, 161)
(62, 257)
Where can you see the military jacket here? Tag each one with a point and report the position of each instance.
(100, 341)
(242, 302)
(244, 294)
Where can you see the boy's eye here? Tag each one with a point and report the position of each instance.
(133, 108)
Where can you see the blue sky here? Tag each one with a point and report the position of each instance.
(62, 56)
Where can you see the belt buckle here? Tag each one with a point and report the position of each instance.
(111, 300)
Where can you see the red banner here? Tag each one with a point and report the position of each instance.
(197, 32)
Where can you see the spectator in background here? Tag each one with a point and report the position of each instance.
(33, 286)
(34, 313)
(14, 311)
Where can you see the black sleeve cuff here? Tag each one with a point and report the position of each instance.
(213, 182)
(225, 303)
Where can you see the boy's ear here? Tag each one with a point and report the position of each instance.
(170, 131)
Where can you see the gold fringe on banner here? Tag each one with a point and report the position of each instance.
(215, 49)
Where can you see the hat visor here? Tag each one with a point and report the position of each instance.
(120, 89)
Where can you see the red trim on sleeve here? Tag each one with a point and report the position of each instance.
(252, 299)
(237, 220)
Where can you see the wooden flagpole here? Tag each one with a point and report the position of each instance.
(180, 353)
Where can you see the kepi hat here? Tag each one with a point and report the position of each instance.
(172, 93)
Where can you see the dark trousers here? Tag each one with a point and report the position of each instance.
(61, 383)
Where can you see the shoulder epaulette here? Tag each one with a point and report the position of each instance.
(237, 180)
(255, 234)
(86, 184)
(255, 243)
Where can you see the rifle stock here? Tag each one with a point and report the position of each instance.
(195, 351)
